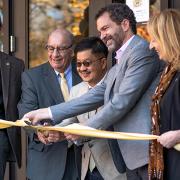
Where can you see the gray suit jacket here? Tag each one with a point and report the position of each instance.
(99, 148)
(40, 88)
(126, 95)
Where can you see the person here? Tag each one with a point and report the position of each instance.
(10, 91)
(41, 87)
(91, 59)
(164, 30)
(125, 92)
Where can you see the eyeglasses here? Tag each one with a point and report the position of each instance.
(58, 49)
(87, 63)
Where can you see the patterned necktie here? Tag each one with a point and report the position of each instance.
(64, 87)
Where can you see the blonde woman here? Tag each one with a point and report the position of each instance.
(164, 30)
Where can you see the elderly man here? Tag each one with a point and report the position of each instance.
(43, 86)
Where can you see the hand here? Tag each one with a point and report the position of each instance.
(169, 139)
(37, 115)
(42, 137)
(71, 137)
(55, 136)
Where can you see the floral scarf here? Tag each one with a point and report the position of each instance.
(156, 163)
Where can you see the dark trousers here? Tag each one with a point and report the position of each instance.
(4, 152)
(71, 171)
(140, 173)
(94, 175)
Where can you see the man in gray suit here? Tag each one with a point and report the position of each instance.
(91, 59)
(126, 91)
(41, 88)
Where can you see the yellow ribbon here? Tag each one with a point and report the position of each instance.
(84, 131)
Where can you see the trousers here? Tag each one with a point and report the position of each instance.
(4, 151)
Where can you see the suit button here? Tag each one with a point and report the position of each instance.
(90, 145)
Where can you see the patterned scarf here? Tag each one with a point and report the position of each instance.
(156, 163)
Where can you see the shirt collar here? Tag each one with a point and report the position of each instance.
(123, 48)
(66, 71)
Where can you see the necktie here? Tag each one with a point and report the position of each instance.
(64, 87)
(65, 92)
(92, 164)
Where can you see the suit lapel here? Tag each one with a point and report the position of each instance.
(132, 44)
(77, 92)
(110, 83)
(124, 58)
(5, 77)
(52, 84)
(75, 77)
(85, 160)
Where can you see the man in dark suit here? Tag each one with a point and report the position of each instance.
(41, 88)
(10, 91)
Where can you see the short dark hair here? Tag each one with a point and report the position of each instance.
(96, 45)
(118, 12)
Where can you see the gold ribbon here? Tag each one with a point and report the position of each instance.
(83, 131)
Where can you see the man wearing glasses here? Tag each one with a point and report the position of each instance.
(41, 87)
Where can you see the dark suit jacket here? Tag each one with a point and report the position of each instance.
(11, 69)
(40, 89)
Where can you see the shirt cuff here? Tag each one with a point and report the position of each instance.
(50, 113)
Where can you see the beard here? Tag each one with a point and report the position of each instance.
(112, 43)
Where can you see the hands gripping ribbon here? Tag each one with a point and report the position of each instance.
(81, 130)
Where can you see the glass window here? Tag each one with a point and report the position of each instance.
(154, 9)
(45, 16)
